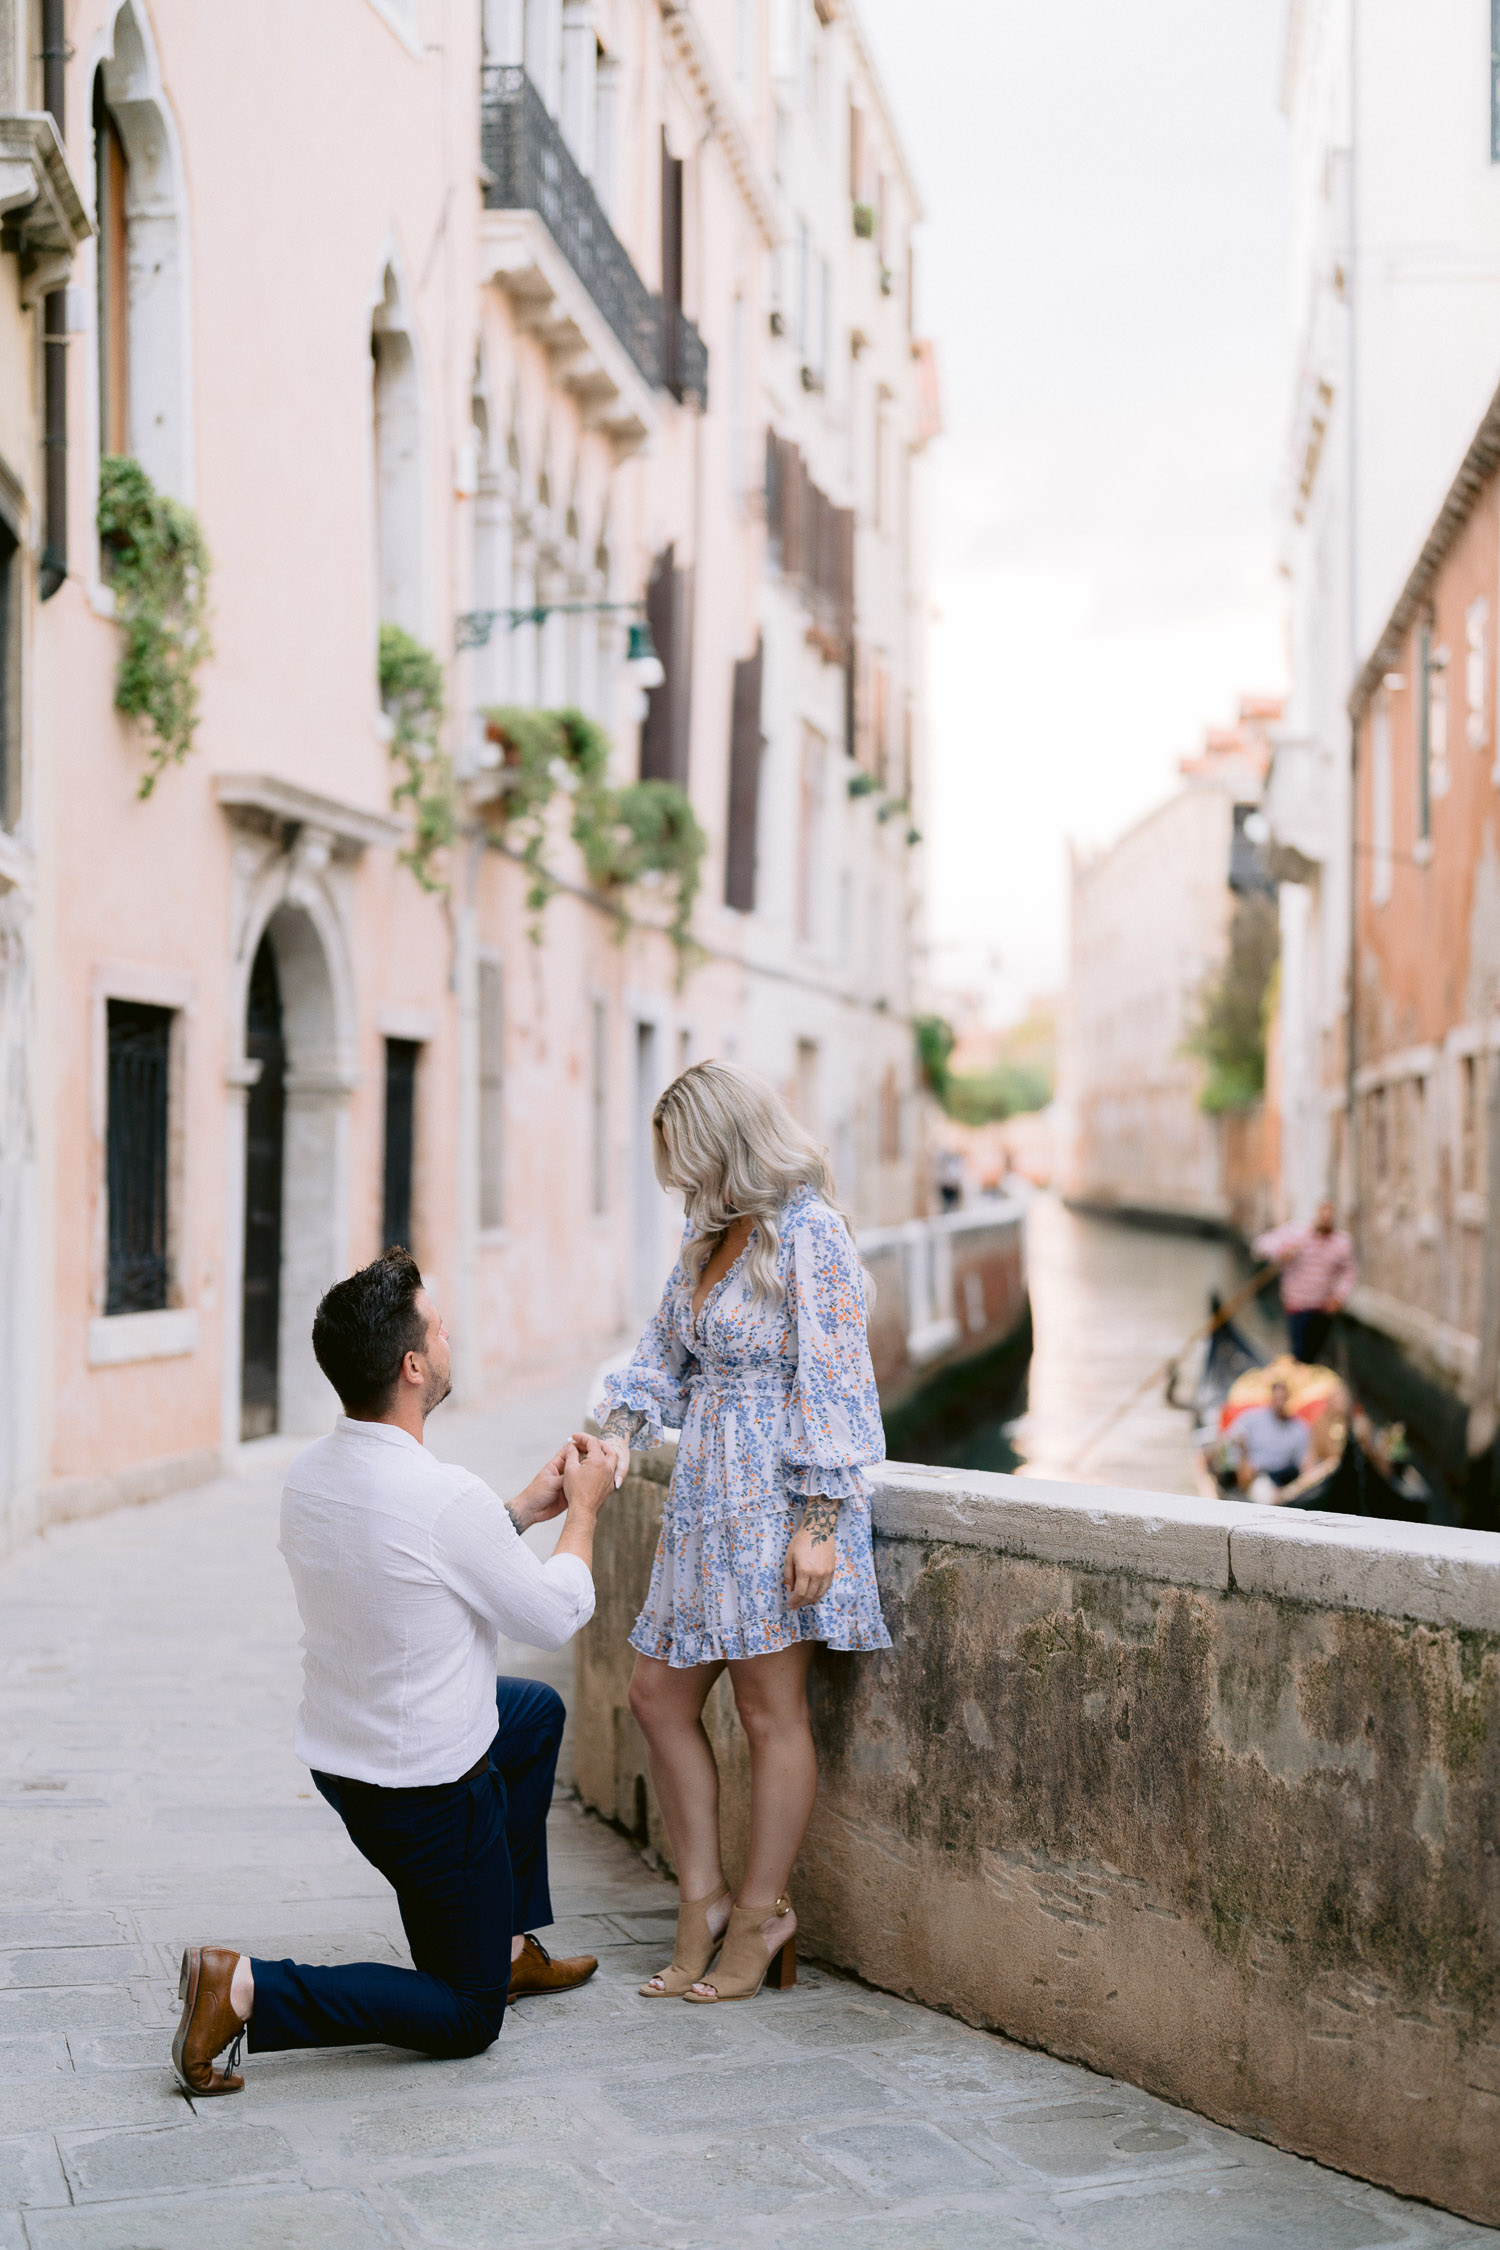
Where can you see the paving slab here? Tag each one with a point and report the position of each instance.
(827, 2118)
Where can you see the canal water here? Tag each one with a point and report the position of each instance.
(1109, 1302)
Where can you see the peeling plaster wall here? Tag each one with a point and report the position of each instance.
(1193, 1792)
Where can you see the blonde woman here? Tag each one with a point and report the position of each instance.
(758, 1355)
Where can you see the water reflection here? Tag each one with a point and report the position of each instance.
(1109, 1301)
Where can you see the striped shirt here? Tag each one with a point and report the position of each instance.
(1316, 1269)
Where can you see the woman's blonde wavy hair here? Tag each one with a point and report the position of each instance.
(734, 1150)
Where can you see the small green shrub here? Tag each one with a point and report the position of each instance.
(158, 567)
(411, 692)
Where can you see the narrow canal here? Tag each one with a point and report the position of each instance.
(1109, 1302)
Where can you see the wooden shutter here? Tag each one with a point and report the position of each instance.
(746, 745)
(665, 736)
(671, 268)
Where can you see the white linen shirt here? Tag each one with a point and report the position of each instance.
(405, 1570)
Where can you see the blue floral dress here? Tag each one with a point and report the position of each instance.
(775, 1400)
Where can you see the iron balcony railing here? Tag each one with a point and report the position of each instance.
(531, 168)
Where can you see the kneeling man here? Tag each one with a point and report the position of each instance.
(404, 1571)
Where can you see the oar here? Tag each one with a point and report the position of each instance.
(1252, 1288)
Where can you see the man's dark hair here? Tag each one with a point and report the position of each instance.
(365, 1327)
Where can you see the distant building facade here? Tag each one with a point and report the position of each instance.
(43, 224)
(1395, 316)
(569, 318)
(1149, 926)
(1424, 1037)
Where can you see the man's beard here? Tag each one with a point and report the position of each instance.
(435, 1393)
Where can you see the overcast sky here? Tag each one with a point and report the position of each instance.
(1102, 268)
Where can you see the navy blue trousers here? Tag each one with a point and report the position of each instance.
(1308, 1332)
(468, 1863)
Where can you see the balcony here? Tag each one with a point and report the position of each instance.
(570, 279)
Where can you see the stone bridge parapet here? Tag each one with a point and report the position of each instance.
(1204, 1795)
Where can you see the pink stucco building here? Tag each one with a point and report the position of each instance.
(515, 327)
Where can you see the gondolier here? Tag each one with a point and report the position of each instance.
(1318, 1274)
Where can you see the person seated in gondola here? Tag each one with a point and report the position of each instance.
(1270, 1444)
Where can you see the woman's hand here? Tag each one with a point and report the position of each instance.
(807, 1572)
(618, 1449)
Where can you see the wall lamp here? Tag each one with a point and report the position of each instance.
(643, 667)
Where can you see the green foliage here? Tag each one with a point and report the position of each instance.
(864, 221)
(936, 1040)
(626, 835)
(158, 569)
(862, 784)
(411, 691)
(1019, 1079)
(1229, 1035)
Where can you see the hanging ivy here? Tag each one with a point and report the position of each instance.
(626, 834)
(157, 567)
(411, 693)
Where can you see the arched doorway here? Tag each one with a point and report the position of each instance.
(294, 1173)
(265, 1122)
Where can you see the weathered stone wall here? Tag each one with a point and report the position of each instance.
(1200, 1794)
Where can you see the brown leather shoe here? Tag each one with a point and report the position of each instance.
(209, 2024)
(534, 1970)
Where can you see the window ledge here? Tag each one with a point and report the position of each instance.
(120, 1339)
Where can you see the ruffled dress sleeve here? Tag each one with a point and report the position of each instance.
(833, 1428)
(655, 1384)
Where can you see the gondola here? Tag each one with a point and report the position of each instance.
(1370, 1474)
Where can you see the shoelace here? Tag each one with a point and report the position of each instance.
(236, 2046)
(536, 1941)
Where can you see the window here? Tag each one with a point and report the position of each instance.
(671, 268)
(1470, 1115)
(1476, 674)
(1380, 803)
(136, 1156)
(1424, 734)
(809, 833)
(491, 1095)
(400, 1136)
(599, 1106)
(398, 478)
(112, 187)
(10, 673)
(807, 1105)
(890, 1118)
(746, 747)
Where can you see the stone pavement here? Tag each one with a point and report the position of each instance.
(149, 1796)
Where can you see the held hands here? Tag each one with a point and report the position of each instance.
(588, 1473)
(618, 1450)
(807, 1572)
(543, 1498)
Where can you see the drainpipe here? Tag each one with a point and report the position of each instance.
(54, 563)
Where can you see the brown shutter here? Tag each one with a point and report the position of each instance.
(746, 745)
(667, 729)
(671, 268)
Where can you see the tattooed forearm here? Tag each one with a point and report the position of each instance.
(510, 1510)
(820, 1519)
(629, 1427)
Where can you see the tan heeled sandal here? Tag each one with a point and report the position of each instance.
(744, 1965)
(694, 1949)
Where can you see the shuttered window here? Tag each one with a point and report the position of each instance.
(491, 1095)
(599, 1107)
(666, 734)
(746, 745)
(112, 178)
(136, 1156)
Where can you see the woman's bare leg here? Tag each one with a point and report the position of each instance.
(667, 1702)
(770, 1693)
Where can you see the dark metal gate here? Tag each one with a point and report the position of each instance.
(400, 1129)
(136, 1156)
(264, 1134)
